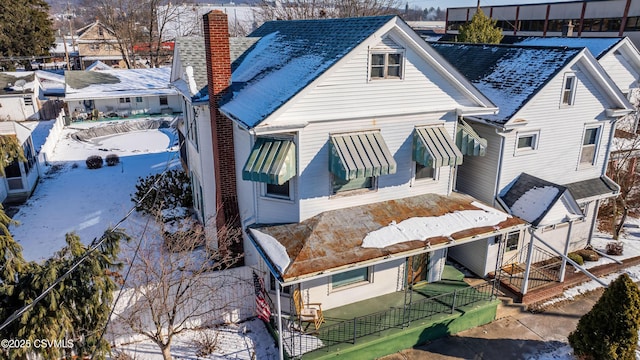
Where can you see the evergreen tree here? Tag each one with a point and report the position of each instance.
(25, 30)
(481, 29)
(610, 329)
(76, 310)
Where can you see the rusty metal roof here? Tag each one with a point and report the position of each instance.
(332, 241)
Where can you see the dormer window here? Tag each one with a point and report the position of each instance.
(569, 90)
(385, 65)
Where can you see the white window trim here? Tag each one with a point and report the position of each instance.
(572, 95)
(596, 146)
(527, 150)
(351, 286)
(387, 52)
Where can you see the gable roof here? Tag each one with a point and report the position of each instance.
(532, 199)
(17, 82)
(340, 239)
(191, 52)
(597, 46)
(82, 85)
(287, 58)
(508, 75)
(84, 30)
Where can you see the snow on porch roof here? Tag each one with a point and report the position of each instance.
(334, 240)
(118, 83)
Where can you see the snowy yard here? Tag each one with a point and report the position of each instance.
(72, 198)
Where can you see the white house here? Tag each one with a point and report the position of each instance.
(20, 177)
(335, 154)
(19, 93)
(189, 77)
(558, 109)
(120, 93)
(619, 58)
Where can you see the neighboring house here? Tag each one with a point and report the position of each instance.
(619, 58)
(19, 93)
(97, 42)
(20, 178)
(189, 77)
(120, 93)
(335, 153)
(98, 66)
(553, 133)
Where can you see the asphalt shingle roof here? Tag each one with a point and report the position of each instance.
(592, 187)
(287, 58)
(192, 53)
(508, 75)
(525, 183)
(597, 46)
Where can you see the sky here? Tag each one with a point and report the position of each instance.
(443, 4)
(75, 198)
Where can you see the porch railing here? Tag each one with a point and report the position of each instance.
(545, 268)
(349, 331)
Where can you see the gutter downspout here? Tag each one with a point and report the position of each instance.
(499, 169)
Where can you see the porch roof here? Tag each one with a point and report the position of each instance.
(333, 241)
(598, 188)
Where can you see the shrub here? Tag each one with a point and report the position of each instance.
(610, 329)
(614, 248)
(588, 255)
(576, 257)
(166, 191)
(94, 162)
(206, 343)
(112, 160)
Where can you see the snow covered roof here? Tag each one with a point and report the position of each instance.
(340, 239)
(117, 83)
(534, 199)
(508, 75)
(191, 53)
(98, 65)
(287, 58)
(597, 46)
(18, 82)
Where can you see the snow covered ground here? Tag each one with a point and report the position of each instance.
(74, 198)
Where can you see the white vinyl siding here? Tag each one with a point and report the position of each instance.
(315, 190)
(557, 158)
(474, 256)
(477, 174)
(346, 92)
(620, 71)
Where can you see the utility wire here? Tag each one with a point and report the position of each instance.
(97, 244)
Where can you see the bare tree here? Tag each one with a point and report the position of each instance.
(177, 286)
(138, 24)
(623, 169)
(314, 9)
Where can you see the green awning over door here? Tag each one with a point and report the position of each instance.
(468, 141)
(360, 155)
(433, 147)
(272, 161)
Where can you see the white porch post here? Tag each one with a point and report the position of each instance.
(525, 281)
(280, 345)
(566, 251)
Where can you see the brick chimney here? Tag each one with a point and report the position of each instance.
(216, 37)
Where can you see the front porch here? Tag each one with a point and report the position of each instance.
(385, 324)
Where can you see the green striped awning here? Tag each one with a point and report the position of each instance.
(272, 161)
(433, 147)
(359, 155)
(468, 141)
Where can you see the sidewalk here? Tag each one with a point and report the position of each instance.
(517, 334)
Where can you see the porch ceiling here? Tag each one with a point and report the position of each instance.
(333, 240)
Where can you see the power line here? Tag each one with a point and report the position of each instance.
(27, 307)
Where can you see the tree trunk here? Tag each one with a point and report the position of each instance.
(166, 352)
(618, 229)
